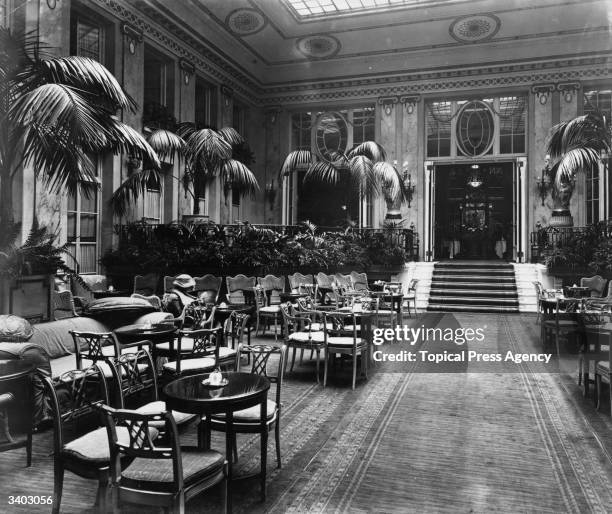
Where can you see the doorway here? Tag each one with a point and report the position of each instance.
(474, 211)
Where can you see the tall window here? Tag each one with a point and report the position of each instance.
(83, 227)
(205, 106)
(326, 133)
(158, 102)
(468, 128)
(152, 202)
(598, 101)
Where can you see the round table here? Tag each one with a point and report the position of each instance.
(12, 372)
(244, 390)
(159, 333)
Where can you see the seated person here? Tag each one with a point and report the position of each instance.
(181, 295)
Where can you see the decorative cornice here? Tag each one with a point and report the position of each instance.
(185, 46)
(439, 83)
(131, 32)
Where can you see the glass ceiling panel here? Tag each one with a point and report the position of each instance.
(307, 8)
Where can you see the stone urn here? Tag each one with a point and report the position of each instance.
(562, 194)
(394, 212)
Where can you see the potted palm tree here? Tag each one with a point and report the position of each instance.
(574, 146)
(55, 112)
(364, 166)
(206, 153)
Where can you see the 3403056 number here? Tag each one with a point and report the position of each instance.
(30, 500)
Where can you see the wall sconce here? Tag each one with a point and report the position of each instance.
(188, 70)
(409, 187)
(270, 193)
(133, 164)
(544, 183)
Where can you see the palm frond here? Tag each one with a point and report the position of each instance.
(89, 75)
(131, 189)
(239, 177)
(209, 143)
(575, 160)
(185, 129)
(124, 139)
(294, 160)
(166, 144)
(390, 180)
(322, 171)
(231, 135)
(362, 174)
(369, 149)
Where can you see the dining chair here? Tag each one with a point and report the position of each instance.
(208, 288)
(202, 354)
(240, 289)
(341, 337)
(563, 324)
(248, 421)
(299, 334)
(135, 379)
(84, 286)
(273, 286)
(359, 281)
(324, 284)
(63, 305)
(602, 368)
(539, 297)
(410, 295)
(146, 285)
(158, 475)
(344, 282)
(596, 285)
(299, 283)
(265, 312)
(169, 283)
(9, 404)
(95, 348)
(74, 399)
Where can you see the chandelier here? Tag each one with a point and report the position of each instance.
(475, 178)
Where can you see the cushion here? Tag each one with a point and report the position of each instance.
(207, 297)
(225, 352)
(250, 415)
(54, 336)
(196, 464)
(62, 364)
(14, 329)
(202, 363)
(306, 337)
(270, 309)
(119, 303)
(343, 341)
(160, 406)
(93, 446)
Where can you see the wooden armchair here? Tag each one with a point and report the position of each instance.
(145, 285)
(272, 286)
(240, 289)
(596, 284)
(208, 288)
(299, 283)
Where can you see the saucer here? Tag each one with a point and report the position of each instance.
(206, 382)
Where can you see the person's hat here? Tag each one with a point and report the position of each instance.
(184, 281)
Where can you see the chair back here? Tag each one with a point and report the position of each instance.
(260, 297)
(195, 316)
(145, 285)
(236, 288)
(539, 288)
(152, 299)
(133, 375)
(339, 324)
(168, 283)
(208, 288)
(74, 397)
(344, 282)
(206, 343)
(260, 363)
(393, 287)
(89, 345)
(324, 281)
(596, 284)
(63, 305)
(84, 286)
(297, 281)
(141, 443)
(235, 327)
(359, 281)
(272, 287)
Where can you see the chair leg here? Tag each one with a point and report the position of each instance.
(597, 391)
(275, 329)
(318, 356)
(354, 369)
(256, 327)
(234, 448)
(102, 493)
(301, 356)
(58, 484)
(29, 450)
(278, 448)
(293, 359)
(326, 366)
(580, 364)
(227, 506)
(179, 504)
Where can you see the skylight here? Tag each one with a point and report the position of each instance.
(307, 8)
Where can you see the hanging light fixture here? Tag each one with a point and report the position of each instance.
(475, 179)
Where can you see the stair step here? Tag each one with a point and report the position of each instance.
(473, 278)
(470, 308)
(473, 299)
(470, 286)
(471, 292)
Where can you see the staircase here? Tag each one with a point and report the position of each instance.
(473, 287)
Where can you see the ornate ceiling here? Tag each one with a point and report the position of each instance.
(272, 47)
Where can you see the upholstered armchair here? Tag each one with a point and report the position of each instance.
(596, 284)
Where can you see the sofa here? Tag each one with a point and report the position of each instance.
(51, 347)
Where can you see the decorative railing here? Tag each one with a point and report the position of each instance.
(405, 238)
(544, 241)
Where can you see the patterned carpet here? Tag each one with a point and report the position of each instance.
(474, 438)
